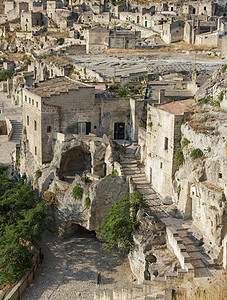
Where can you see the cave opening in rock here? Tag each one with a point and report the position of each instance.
(71, 228)
(74, 161)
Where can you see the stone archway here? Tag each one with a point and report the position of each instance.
(74, 161)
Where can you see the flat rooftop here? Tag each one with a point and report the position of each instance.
(56, 86)
(178, 107)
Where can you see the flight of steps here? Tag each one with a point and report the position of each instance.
(149, 290)
(179, 237)
(17, 131)
(130, 168)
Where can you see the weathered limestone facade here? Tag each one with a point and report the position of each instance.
(160, 143)
(64, 105)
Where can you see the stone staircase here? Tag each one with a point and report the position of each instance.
(149, 290)
(179, 236)
(17, 131)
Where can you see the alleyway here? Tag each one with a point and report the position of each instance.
(70, 266)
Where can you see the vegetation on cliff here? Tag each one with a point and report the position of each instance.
(21, 217)
(120, 222)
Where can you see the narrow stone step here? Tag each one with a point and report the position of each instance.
(143, 185)
(128, 161)
(131, 172)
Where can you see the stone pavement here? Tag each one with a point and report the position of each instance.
(70, 266)
(10, 111)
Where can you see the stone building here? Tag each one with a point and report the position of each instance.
(160, 141)
(124, 39)
(66, 106)
(173, 31)
(31, 19)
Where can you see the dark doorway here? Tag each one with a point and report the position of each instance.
(119, 131)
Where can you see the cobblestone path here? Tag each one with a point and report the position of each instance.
(70, 266)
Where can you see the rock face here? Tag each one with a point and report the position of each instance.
(200, 184)
(78, 160)
(146, 257)
(68, 213)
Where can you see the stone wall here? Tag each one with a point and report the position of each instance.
(162, 141)
(200, 186)
(3, 127)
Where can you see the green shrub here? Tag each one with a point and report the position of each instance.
(221, 96)
(224, 68)
(122, 92)
(196, 153)
(5, 74)
(87, 202)
(115, 173)
(114, 86)
(185, 142)
(150, 124)
(179, 158)
(203, 101)
(77, 192)
(120, 222)
(21, 216)
(38, 173)
(212, 207)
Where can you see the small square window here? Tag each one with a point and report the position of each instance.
(48, 128)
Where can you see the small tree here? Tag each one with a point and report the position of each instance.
(179, 158)
(196, 153)
(120, 222)
(38, 173)
(87, 202)
(5, 74)
(77, 192)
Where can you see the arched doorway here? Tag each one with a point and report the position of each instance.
(74, 161)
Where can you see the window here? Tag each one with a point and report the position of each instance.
(48, 128)
(171, 8)
(35, 125)
(32, 101)
(37, 104)
(166, 143)
(205, 8)
(35, 150)
(28, 120)
(83, 128)
(220, 175)
(25, 98)
(29, 100)
(161, 165)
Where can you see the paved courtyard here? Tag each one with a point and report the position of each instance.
(70, 266)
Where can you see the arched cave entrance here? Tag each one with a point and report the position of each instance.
(74, 161)
(72, 228)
